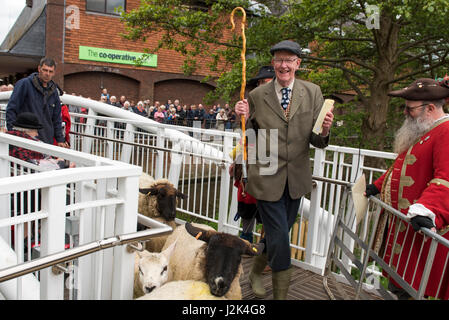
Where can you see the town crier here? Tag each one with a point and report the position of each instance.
(417, 184)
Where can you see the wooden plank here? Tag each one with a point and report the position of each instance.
(305, 285)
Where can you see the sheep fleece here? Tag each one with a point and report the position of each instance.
(182, 290)
(188, 261)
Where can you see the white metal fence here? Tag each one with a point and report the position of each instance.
(52, 213)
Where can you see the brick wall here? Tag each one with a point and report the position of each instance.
(103, 31)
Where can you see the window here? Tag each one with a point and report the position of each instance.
(105, 6)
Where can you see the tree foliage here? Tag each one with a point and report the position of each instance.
(345, 48)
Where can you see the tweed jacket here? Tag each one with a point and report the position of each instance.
(294, 136)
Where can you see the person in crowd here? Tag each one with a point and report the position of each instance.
(177, 103)
(210, 119)
(180, 115)
(201, 113)
(214, 108)
(232, 120)
(159, 115)
(39, 94)
(140, 110)
(167, 105)
(103, 99)
(113, 101)
(121, 102)
(127, 106)
(221, 119)
(417, 184)
(104, 93)
(151, 112)
(171, 116)
(281, 104)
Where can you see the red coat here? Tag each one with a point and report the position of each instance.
(411, 182)
(65, 117)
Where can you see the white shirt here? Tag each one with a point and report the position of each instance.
(278, 89)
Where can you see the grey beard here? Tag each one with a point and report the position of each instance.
(412, 129)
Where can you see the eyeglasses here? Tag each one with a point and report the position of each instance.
(287, 61)
(409, 109)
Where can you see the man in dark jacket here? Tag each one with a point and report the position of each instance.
(39, 95)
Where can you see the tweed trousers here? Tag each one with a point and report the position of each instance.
(278, 218)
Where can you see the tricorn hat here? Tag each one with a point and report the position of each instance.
(27, 120)
(265, 72)
(423, 89)
(286, 45)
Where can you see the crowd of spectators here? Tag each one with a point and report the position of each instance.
(172, 112)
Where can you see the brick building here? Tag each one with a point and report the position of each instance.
(83, 36)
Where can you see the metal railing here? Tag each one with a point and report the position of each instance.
(405, 264)
(50, 215)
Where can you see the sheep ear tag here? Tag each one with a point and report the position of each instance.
(256, 249)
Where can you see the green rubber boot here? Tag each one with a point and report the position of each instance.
(255, 275)
(281, 282)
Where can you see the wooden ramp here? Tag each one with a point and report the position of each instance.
(305, 285)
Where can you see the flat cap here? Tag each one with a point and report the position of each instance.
(286, 45)
(423, 89)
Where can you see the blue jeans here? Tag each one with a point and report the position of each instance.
(278, 218)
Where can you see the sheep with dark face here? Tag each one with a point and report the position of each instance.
(157, 200)
(214, 257)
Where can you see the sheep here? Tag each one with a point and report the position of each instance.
(151, 270)
(157, 200)
(182, 290)
(216, 259)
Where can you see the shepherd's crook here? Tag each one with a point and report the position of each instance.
(242, 89)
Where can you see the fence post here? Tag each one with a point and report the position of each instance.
(5, 203)
(159, 169)
(53, 239)
(89, 130)
(314, 215)
(110, 142)
(127, 148)
(224, 187)
(125, 222)
(175, 165)
(85, 276)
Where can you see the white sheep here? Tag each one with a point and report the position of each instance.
(213, 258)
(151, 269)
(182, 290)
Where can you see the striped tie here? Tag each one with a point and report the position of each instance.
(285, 98)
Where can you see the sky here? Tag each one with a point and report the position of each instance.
(10, 10)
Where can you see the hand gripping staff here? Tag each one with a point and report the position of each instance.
(242, 89)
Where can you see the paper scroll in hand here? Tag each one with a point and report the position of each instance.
(360, 201)
(327, 106)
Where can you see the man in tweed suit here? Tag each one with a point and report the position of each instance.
(287, 108)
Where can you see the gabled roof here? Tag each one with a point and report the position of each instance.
(27, 35)
(24, 44)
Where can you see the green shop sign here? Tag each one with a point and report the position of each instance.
(116, 56)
